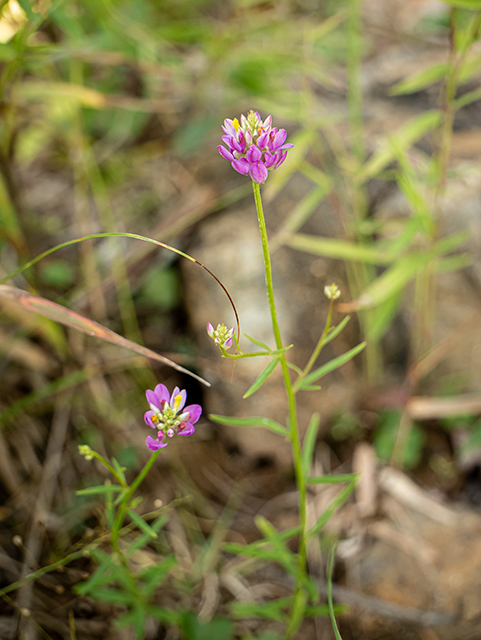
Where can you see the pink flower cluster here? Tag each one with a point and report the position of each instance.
(169, 415)
(254, 146)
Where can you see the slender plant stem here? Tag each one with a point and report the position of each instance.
(291, 398)
(330, 604)
(127, 498)
(317, 350)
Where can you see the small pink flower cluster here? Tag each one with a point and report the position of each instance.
(169, 415)
(254, 147)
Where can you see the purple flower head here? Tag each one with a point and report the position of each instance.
(253, 146)
(169, 416)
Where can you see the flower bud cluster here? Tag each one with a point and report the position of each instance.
(86, 451)
(332, 291)
(221, 336)
(254, 146)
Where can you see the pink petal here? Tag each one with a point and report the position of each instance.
(254, 154)
(270, 159)
(242, 140)
(229, 127)
(281, 159)
(241, 166)
(155, 445)
(262, 140)
(152, 398)
(195, 411)
(237, 146)
(187, 431)
(162, 394)
(258, 172)
(280, 138)
(148, 419)
(225, 154)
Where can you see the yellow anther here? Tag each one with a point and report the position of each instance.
(177, 401)
(235, 122)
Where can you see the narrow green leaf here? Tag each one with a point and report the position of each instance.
(420, 79)
(340, 249)
(467, 98)
(253, 421)
(335, 363)
(393, 280)
(153, 576)
(331, 509)
(332, 478)
(309, 443)
(262, 377)
(284, 556)
(120, 470)
(454, 263)
(112, 596)
(309, 387)
(100, 489)
(273, 610)
(454, 241)
(406, 136)
(322, 610)
(142, 525)
(335, 331)
(142, 540)
(255, 547)
(166, 615)
(257, 342)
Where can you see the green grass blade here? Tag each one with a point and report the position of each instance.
(330, 567)
(254, 421)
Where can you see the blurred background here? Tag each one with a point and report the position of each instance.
(110, 121)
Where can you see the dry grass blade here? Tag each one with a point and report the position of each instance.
(69, 318)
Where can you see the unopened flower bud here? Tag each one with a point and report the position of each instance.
(332, 291)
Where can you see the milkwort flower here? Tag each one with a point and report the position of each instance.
(169, 416)
(221, 336)
(254, 146)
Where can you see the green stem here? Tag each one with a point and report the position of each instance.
(330, 604)
(354, 92)
(109, 467)
(291, 398)
(127, 498)
(317, 350)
